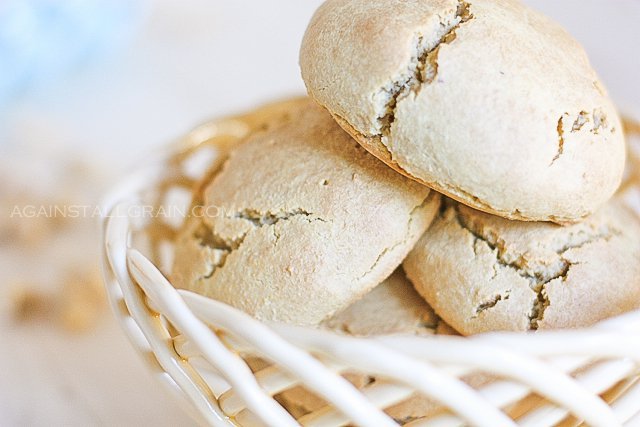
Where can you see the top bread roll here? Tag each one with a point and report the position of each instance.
(486, 101)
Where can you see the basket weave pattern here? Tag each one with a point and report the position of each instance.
(198, 346)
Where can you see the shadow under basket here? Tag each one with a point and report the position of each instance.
(227, 368)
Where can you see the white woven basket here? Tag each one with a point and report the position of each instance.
(197, 346)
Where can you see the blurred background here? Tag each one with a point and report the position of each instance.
(87, 88)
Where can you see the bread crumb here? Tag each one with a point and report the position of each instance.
(30, 305)
(76, 305)
(81, 301)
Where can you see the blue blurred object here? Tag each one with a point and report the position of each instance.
(42, 40)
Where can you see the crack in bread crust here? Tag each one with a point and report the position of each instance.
(560, 130)
(423, 69)
(487, 305)
(206, 236)
(258, 219)
(598, 117)
(537, 278)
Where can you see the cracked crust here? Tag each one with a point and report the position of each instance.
(393, 307)
(450, 86)
(299, 222)
(483, 273)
